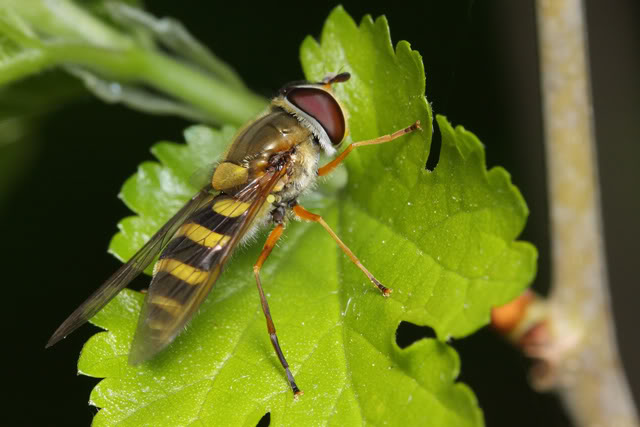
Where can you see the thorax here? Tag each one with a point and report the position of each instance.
(277, 133)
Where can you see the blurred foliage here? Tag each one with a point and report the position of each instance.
(23, 108)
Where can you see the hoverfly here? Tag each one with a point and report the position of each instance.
(271, 161)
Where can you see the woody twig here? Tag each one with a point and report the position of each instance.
(571, 333)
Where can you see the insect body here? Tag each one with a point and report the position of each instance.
(270, 162)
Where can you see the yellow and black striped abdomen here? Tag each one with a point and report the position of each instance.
(185, 273)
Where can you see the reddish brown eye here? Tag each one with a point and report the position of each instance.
(323, 107)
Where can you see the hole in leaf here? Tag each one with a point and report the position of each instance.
(408, 333)
(436, 145)
(265, 420)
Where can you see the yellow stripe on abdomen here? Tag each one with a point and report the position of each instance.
(188, 274)
(230, 207)
(169, 305)
(202, 235)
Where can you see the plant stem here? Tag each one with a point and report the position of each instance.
(581, 351)
(26, 63)
(224, 103)
(83, 40)
(66, 19)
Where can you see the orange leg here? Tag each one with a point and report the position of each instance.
(380, 140)
(266, 250)
(305, 214)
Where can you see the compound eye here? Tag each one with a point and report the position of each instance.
(323, 107)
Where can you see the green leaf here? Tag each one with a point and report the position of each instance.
(459, 222)
(442, 240)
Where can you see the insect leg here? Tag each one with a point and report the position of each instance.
(305, 214)
(266, 250)
(379, 140)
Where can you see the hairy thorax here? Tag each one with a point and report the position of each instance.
(259, 147)
(302, 172)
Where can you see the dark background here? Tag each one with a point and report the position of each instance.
(60, 209)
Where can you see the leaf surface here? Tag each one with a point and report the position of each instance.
(442, 240)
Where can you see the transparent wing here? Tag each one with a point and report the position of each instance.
(193, 261)
(129, 271)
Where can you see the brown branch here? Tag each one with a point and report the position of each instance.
(572, 333)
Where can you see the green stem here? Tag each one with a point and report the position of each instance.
(65, 19)
(222, 102)
(111, 56)
(25, 64)
(230, 103)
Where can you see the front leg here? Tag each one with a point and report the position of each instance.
(379, 140)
